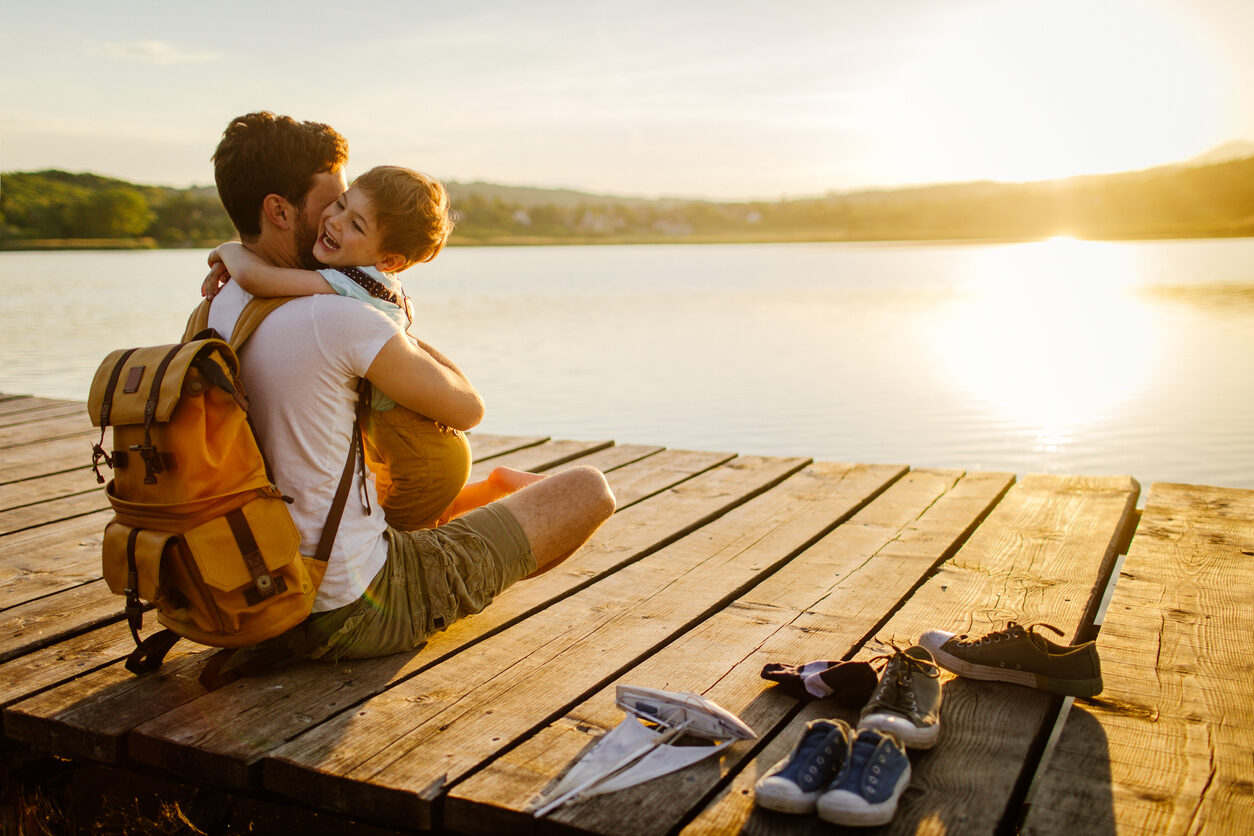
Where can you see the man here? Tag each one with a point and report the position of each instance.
(384, 591)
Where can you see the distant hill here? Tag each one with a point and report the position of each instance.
(1211, 195)
(528, 196)
(1238, 150)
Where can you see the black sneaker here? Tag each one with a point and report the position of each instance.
(907, 700)
(794, 784)
(1022, 656)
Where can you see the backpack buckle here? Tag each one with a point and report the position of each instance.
(153, 463)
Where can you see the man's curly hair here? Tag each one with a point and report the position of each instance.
(262, 154)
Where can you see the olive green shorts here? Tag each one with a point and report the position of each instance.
(431, 578)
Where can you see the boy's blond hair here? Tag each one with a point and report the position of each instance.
(412, 211)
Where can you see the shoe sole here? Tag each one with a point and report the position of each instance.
(910, 735)
(867, 816)
(989, 673)
(784, 796)
(784, 804)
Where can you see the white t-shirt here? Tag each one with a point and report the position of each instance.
(300, 372)
(399, 314)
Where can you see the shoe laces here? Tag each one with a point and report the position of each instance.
(1013, 631)
(895, 673)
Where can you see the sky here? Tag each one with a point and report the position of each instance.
(726, 100)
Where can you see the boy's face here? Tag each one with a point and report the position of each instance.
(327, 186)
(347, 233)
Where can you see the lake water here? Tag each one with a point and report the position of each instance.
(1057, 356)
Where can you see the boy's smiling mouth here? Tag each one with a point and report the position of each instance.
(328, 242)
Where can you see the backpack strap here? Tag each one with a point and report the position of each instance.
(254, 312)
(197, 322)
(257, 309)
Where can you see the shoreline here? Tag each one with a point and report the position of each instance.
(90, 244)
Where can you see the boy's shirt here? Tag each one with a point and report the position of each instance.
(368, 279)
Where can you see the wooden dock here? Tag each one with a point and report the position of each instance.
(713, 565)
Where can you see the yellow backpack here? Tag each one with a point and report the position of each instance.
(199, 528)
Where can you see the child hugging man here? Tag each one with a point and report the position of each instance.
(389, 219)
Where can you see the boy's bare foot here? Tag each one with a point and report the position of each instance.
(507, 480)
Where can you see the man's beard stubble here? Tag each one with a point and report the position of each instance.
(306, 235)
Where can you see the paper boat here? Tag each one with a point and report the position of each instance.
(639, 748)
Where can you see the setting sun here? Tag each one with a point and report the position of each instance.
(1032, 91)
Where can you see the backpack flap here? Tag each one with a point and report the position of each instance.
(246, 548)
(149, 546)
(245, 579)
(122, 391)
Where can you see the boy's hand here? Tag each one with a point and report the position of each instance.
(217, 277)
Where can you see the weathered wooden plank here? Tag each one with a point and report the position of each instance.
(631, 485)
(40, 669)
(51, 511)
(486, 445)
(77, 425)
(46, 621)
(1165, 748)
(40, 561)
(1041, 555)
(12, 419)
(26, 403)
(88, 717)
(539, 457)
(44, 457)
(855, 574)
(611, 458)
(278, 707)
(395, 753)
(643, 479)
(43, 488)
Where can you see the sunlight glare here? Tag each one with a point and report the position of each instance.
(1029, 91)
(1047, 335)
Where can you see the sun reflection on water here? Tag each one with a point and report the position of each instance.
(1049, 334)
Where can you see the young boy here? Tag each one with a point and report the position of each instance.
(389, 219)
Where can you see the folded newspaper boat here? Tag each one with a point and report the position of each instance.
(642, 746)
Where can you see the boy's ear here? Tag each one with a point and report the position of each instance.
(278, 211)
(391, 263)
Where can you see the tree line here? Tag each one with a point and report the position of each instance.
(56, 208)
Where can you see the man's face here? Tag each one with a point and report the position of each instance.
(328, 186)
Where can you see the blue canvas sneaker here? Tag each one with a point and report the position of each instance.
(866, 791)
(794, 784)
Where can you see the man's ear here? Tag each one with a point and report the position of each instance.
(278, 211)
(391, 263)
